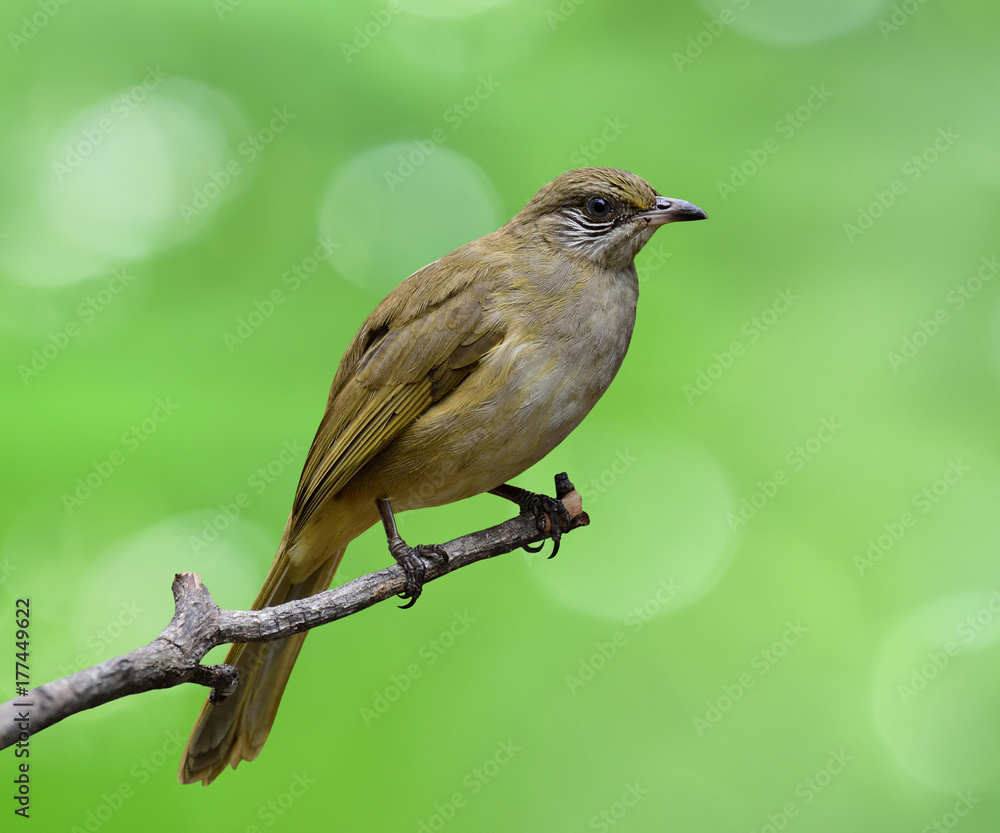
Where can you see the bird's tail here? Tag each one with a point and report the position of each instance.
(235, 729)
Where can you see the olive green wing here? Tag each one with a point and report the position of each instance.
(405, 358)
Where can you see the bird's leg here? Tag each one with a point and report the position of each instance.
(411, 559)
(550, 514)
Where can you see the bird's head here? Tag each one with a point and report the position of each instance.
(602, 215)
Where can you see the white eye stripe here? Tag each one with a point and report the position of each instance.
(589, 223)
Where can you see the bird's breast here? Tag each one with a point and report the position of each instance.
(528, 393)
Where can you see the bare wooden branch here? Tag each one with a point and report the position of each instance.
(198, 625)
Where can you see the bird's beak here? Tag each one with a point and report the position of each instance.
(668, 210)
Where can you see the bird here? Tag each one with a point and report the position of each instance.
(467, 373)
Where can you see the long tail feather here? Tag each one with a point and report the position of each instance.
(235, 729)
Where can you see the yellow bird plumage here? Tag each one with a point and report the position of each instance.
(466, 374)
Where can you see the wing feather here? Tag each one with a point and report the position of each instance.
(390, 375)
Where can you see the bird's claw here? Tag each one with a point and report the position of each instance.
(412, 560)
(551, 517)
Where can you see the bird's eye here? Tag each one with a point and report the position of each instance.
(599, 207)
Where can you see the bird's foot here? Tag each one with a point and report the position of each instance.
(551, 516)
(412, 560)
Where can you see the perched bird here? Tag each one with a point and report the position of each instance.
(469, 372)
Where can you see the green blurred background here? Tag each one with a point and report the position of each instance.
(784, 614)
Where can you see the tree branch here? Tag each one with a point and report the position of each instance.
(198, 625)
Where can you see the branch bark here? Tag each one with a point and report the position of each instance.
(198, 625)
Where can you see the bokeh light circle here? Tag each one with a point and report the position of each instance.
(936, 687)
(787, 22)
(123, 599)
(396, 208)
(658, 540)
(121, 180)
